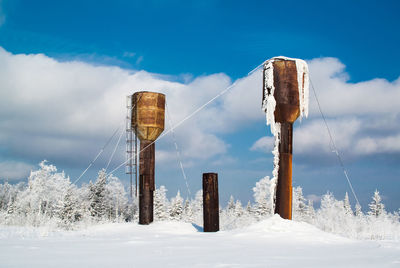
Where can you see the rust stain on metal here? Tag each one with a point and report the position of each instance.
(286, 91)
(210, 202)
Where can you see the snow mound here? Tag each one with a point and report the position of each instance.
(275, 227)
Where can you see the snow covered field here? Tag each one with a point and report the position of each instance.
(270, 243)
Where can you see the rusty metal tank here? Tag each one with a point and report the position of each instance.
(287, 110)
(148, 114)
(287, 91)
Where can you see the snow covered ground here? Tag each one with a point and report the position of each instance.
(270, 243)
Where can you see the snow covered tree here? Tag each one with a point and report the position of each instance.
(249, 208)
(68, 209)
(376, 207)
(116, 198)
(5, 190)
(8, 195)
(238, 210)
(262, 196)
(160, 204)
(346, 205)
(231, 206)
(176, 209)
(197, 208)
(39, 201)
(10, 206)
(331, 216)
(310, 212)
(359, 212)
(187, 211)
(299, 206)
(97, 193)
(131, 211)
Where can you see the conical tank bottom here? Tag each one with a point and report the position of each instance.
(148, 114)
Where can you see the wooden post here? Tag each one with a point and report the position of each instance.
(146, 181)
(210, 202)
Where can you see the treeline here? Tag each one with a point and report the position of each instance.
(49, 199)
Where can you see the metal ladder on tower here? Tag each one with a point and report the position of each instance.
(131, 146)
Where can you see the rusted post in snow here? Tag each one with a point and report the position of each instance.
(210, 202)
(286, 84)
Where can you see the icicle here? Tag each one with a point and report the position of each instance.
(268, 107)
(303, 84)
(269, 102)
(275, 152)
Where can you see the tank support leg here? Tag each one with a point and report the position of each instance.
(146, 181)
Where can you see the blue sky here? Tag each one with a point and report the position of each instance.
(66, 51)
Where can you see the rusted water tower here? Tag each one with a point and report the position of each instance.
(148, 112)
(285, 97)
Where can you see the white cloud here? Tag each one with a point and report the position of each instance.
(339, 97)
(67, 110)
(312, 136)
(368, 145)
(264, 144)
(314, 198)
(11, 170)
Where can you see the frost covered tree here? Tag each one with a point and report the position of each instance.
(68, 211)
(331, 216)
(310, 212)
(197, 208)
(346, 205)
(359, 212)
(131, 211)
(249, 209)
(10, 206)
(97, 194)
(235, 216)
(187, 211)
(8, 195)
(39, 201)
(49, 200)
(238, 210)
(5, 190)
(376, 207)
(231, 206)
(176, 208)
(160, 204)
(262, 196)
(116, 199)
(299, 206)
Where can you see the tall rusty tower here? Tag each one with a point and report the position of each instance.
(285, 97)
(148, 117)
